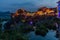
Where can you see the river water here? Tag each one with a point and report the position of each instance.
(50, 36)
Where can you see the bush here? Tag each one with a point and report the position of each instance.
(42, 30)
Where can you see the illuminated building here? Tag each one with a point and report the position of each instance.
(40, 13)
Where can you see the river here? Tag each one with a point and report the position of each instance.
(50, 36)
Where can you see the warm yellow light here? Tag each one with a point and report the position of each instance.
(40, 13)
(48, 11)
(28, 14)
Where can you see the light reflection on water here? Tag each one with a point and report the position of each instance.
(50, 36)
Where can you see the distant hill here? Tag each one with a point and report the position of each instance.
(5, 14)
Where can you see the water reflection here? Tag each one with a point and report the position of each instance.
(50, 36)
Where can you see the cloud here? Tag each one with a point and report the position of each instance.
(27, 4)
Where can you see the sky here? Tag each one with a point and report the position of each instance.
(30, 5)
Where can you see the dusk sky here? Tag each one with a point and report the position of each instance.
(13, 5)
